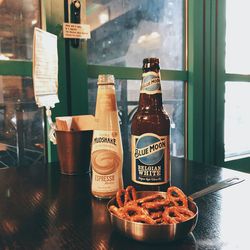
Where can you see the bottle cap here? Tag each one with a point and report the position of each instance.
(151, 62)
(106, 79)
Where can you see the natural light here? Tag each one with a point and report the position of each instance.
(237, 101)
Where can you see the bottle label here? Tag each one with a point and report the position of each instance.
(151, 83)
(105, 183)
(105, 140)
(150, 159)
(105, 161)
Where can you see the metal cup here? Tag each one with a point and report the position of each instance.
(73, 148)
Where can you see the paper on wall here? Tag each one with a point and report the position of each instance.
(76, 31)
(45, 68)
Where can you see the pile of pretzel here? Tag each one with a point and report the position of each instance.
(152, 209)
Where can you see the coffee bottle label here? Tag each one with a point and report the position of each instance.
(105, 161)
(105, 140)
(151, 83)
(150, 159)
(105, 183)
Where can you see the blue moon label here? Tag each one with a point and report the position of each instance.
(150, 159)
(151, 83)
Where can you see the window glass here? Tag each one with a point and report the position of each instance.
(123, 32)
(237, 120)
(127, 94)
(237, 36)
(21, 123)
(17, 21)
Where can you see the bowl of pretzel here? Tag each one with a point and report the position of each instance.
(153, 216)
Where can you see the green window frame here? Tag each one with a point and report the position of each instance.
(73, 97)
(202, 81)
(206, 84)
(203, 76)
(222, 77)
(134, 73)
(16, 68)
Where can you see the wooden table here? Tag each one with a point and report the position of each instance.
(42, 209)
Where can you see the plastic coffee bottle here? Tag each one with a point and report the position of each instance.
(150, 133)
(107, 151)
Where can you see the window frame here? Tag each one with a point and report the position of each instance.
(134, 73)
(222, 78)
(22, 68)
(74, 70)
(203, 76)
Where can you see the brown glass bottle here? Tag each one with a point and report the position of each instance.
(150, 134)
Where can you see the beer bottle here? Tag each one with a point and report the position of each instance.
(150, 133)
(106, 152)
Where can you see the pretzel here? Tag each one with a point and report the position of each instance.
(152, 209)
(143, 219)
(171, 215)
(176, 214)
(185, 212)
(150, 198)
(118, 212)
(133, 210)
(177, 196)
(123, 196)
(131, 203)
(156, 215)
(130, 194)
(157, 205)
(120, 197)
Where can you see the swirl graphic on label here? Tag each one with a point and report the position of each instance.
(105, 162)
(151, 83)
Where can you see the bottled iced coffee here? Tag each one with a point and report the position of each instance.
(150, 133)
(106, 152)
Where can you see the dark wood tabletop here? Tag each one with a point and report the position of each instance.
(42, 209)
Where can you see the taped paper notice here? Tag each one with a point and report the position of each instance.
(45, 68)
(76, 31)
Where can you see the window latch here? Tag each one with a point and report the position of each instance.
(75, 17)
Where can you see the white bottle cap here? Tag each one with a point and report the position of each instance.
(106, 79)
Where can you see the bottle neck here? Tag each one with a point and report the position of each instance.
(150, 101)
(150, 93)
(106, 86)
(106, 99)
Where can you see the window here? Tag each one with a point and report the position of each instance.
(17, 20)
(237, 39)
(123, 32)
(237, 120)
(132, 30)
(21, 122)
(237, 91)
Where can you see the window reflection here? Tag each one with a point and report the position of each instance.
(21, 123)
(17, 21)
(123, 32)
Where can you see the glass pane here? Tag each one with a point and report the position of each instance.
(123, 32)
(21, 123)
(127, 93)
(17, 21)
(237, 120)
(237, 37)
